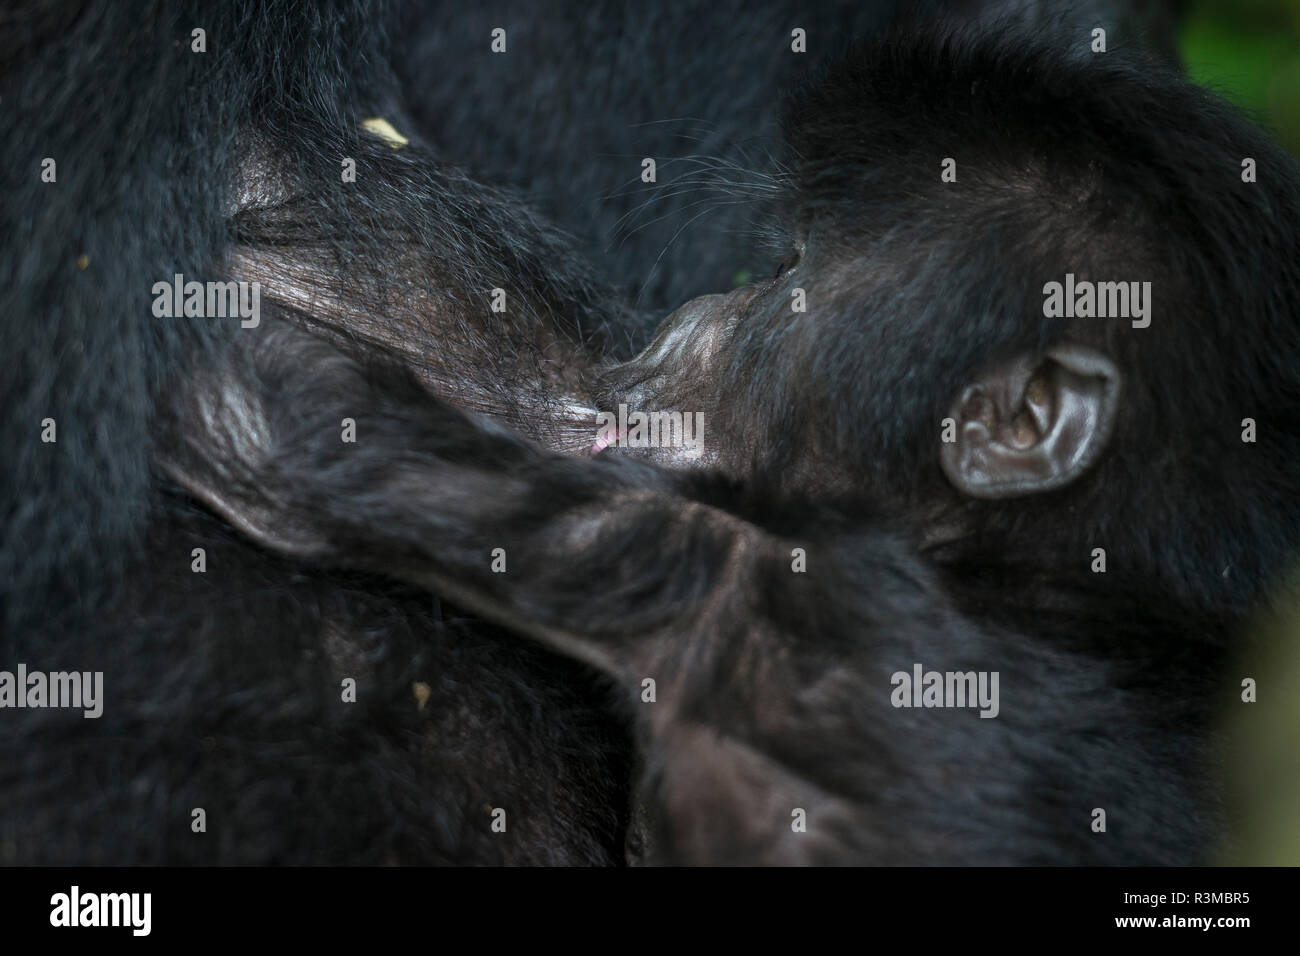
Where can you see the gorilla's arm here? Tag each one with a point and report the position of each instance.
(772, 688)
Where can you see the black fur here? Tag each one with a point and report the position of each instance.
(223, 687)
(589, 88)
(772, 687)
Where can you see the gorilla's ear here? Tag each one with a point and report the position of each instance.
(1033, 424)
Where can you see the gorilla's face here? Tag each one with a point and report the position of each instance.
(835, 365)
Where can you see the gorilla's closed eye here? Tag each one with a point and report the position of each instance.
(790, 262)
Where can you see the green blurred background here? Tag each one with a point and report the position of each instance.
(1249, 51)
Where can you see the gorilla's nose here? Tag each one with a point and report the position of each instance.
(684, 326)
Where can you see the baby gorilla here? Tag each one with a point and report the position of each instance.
(767, 702)
(928, 469)
(921, 473)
